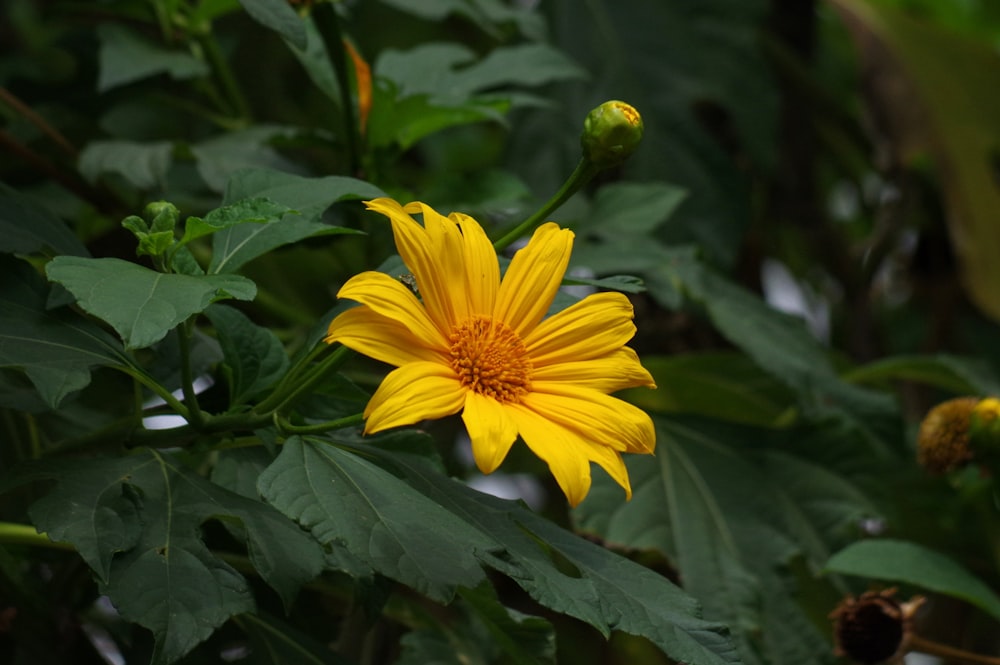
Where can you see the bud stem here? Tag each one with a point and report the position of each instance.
(581, 175)
(917, 643)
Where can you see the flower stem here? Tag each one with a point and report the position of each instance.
(220, 68)
(328, 24)
(159, 390)
(197, 418)
(329, 364)
(318, 428)
(25, 534)
(581, 175)
(923, 645)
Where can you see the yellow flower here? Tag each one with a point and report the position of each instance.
(484, 347)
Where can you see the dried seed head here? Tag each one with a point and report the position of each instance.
(873, 628)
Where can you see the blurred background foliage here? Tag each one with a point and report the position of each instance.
(812, 211)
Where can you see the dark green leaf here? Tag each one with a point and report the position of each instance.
(316, 61)
(56, 348)
(247, 211)
(26, 227)
(125, 57)
(279, 16)
(221, 156)
(144, 165)
(723, 385)
(480, 631)
(523, 65)
(900, 561)
(486, 14)
(954, 373)
(140, 304)
(348, 502)
(233, 247)
(405, 121)
(632, 208)
(600, 588)
(522, 638)
(777, 342)
(275, 642)
(445, 72)
(150, 510)
(237, 470)
(731, 511)
(623, 283)
(254, 354)
(90, 507)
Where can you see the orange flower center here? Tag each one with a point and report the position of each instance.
(491, 359)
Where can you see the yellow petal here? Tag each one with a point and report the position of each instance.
(618, 370)
(594, 416)
(561, 449)
(533, 277)
(423, 255)
(481, 266)
(414, 392)
(491, 430)
(388, 298)
(611, 461)
(442, 282)
(381, 338)
(594, 327)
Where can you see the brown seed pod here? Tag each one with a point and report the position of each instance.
(873, 628)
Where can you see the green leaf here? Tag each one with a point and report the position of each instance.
(349, 502)
(125, 57)
(404, 121)
(724, 385)
(261, 210)
(485, 14)
(448, 75)
(482, 631)
(140, 304)
(275, 642)
(255, 356)
(623, 283)
(56, 348)
(91, 507)
(220, 156)
(316, 61)
(588, 582)
(777, 342)
(237, 469)
(166, 579)
(27, 228)
(144, 165)
(234, 246)
(532, 64)
(959, 375)
(901, 561)
(521, 638)
(279, 16)
(731, 510)
(632, 208)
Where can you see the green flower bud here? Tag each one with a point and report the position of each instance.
(162, 215)
(611, 132)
